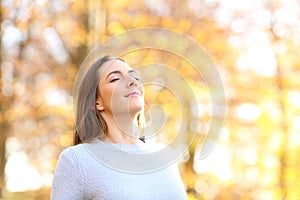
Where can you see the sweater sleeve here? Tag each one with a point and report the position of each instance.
(68, 178)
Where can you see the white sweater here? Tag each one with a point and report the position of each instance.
(80, 175)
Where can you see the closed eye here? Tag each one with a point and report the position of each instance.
(113, 80)
(134, 75)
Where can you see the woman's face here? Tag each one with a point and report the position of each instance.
(119, 89)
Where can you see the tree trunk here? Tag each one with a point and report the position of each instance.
(3, 136)
(284, 127)
(3, 125)
(97, 21)
(285, 134)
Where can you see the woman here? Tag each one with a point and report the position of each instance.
(108, 121)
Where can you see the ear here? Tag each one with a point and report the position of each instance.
(99, 106)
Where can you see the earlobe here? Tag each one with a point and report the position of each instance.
(99, 106)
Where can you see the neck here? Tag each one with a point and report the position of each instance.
(121, 130)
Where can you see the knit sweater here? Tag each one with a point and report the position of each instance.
(80, 174)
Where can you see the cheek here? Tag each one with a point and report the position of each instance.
(107, 94)
(111, 94)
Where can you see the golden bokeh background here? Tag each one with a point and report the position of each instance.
(253, 44)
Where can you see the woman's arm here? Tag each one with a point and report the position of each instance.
(68, 178)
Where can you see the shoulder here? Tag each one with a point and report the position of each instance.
(72, 155)
(158, 146)
(68, 178)
(72, 151)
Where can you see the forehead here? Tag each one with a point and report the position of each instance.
(113, 65)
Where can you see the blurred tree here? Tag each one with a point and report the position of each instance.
(5, 102)
(255, 47)
(285, 86)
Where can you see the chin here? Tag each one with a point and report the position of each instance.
(135, 108)
(136, 105)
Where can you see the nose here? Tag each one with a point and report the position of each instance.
(132, 82)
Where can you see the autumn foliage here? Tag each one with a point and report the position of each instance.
(254, 46)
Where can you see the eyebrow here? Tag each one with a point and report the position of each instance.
(119, 72)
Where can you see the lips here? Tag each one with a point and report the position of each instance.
(135, 93)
